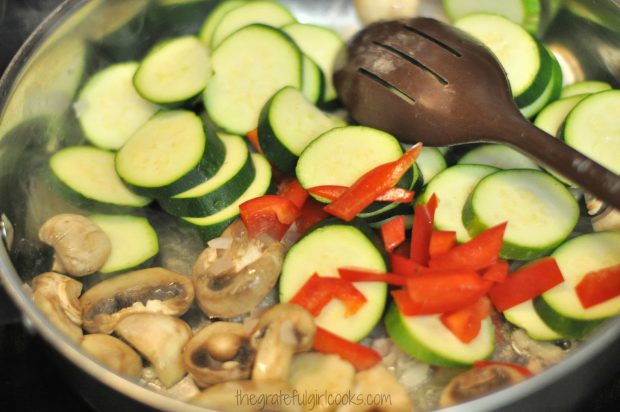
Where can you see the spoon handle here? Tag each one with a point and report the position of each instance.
(553, 153)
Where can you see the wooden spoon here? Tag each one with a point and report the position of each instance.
(423, 80)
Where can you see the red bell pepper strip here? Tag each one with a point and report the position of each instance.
(479, 253)
(441, 242)
(333, 192)
(405, 305)
(269, 214)
(465, 323)
(311, 213)
(519, 368)
(599, 286)
(497, 272)
(252, 136)
(404, 266)
(526, 283)
(440, 292)
(360, 356)
(421, 231)
(372, 184)
(292, 190)
(393, 233)
(361, 275)
(318, 291)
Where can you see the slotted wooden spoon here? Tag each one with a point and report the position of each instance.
(423, 80)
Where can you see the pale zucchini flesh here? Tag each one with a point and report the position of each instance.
(584, 87)
(430, 162)
(524, 315)
(523, 12)
(499, 156)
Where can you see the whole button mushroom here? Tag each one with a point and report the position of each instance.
(80, 246)
(219, 352)
(57, 296)
(281, 331)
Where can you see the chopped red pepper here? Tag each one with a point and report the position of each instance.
(368, 187)
(599, 286)
(519, 368)
(479, 253)
(440, 292)
(361, 275)
(404, 266)
(292, 190)
(405, 305)
(465, 323)
(333, 192)
(269, 214)
(526, 283)
(393, 233)
(360, 356)
(497, 272)
(311, 213)
(318, 291)
(252, 136)
(423, 220)
(441, 242)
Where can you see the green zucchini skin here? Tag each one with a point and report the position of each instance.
(213, 201)
(211, 160)
(543, 77)
(278, 154)
(570, 328)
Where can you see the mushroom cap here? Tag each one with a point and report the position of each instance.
(57, 296)
(477, 382)
(231, 282)
(113, 353)
(160, 338)
(242, 396)
(153, 290)
(219, 352)
(80, 246)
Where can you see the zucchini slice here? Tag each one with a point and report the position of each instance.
(313, 80)
(524, 315)
(584, 87)
(525, 60)
(214, 18)
(540, 211)
(88, 178)
(550, 93)
(592, 128)
(323, 250)
(430, 162)
(523, 12)
(321, 44)
(499, 156)
(134, 241)
(265, 12)
(288, 123)
(174, 71)
(216, 193)
(213, 225)
(560, 307)
(453, 187)
(250, 67)
(427, 339)
(171, 153)
(109, 109)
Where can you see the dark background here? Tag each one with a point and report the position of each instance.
(28, 380)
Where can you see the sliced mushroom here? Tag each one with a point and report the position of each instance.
(281, 331)
(160, 338)
(249, 396)
(478, 382)
(114, 353)
(80, 246)
(380, 391)
(219, 352)
(57, 297)
(154, 290)
(324, 374)
(233, 281)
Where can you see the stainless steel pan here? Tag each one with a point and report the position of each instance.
(45, 74)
